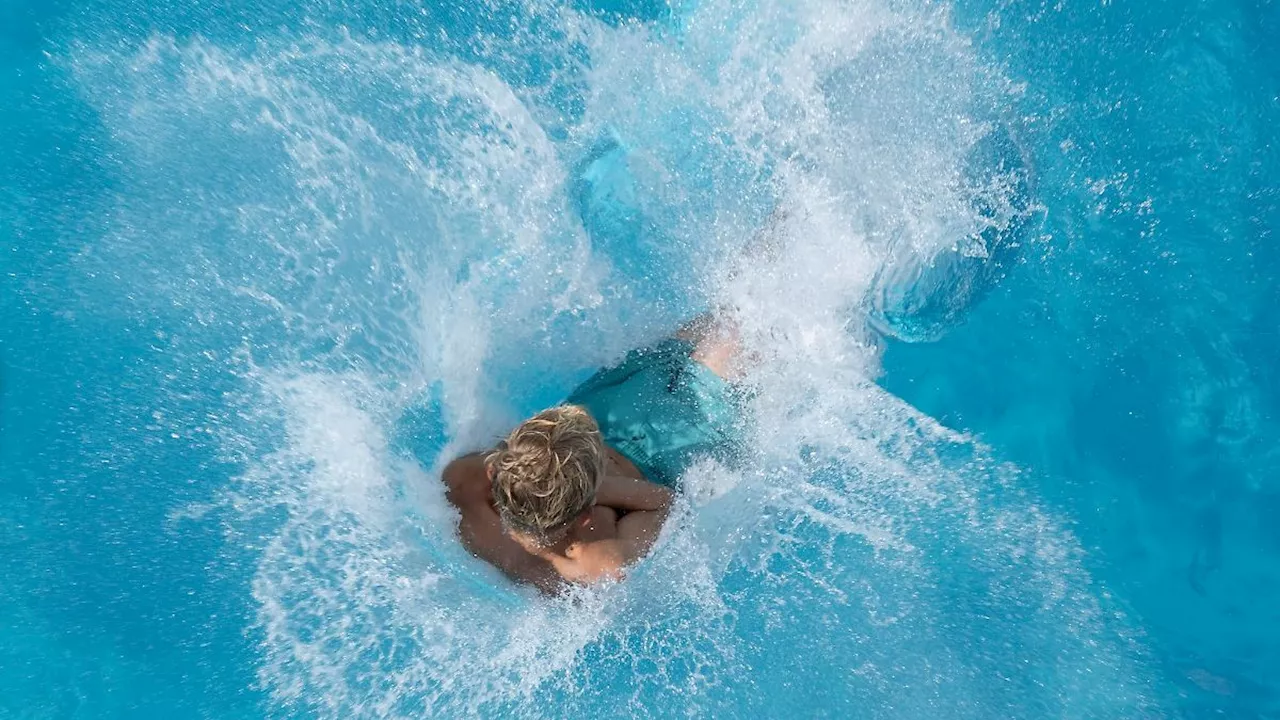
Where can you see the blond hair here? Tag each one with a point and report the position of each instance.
(546, 472)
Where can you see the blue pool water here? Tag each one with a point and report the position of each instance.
(264, 266)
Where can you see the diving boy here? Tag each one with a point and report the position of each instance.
(578, 493)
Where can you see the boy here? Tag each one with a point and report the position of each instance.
(578, 493)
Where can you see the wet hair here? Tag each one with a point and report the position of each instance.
(546, 472)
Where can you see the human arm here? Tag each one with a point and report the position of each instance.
(643, 506)
(638, 531)
(632, 538)
(625, 488)
(632, 494)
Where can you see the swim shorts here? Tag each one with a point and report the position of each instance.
(662, 409)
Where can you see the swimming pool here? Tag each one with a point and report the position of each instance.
(265, 265)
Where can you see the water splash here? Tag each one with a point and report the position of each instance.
(373, 236)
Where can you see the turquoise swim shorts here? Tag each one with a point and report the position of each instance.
(662, 409)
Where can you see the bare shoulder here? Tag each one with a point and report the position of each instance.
(480, 529)
(466, 480)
